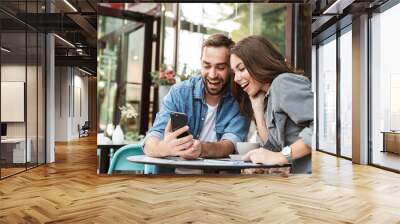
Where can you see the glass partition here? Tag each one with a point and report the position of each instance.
(327, 96)
(385, 89)
(22, 89)
(31, 98)
(346, 94)
(41, 96)
(15, 151)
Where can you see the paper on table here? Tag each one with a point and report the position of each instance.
(236, 157)
(225, 162)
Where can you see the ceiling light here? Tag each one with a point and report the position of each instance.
(70, 5)
(65, 41)
(5, 50)
(337, 7)
(84, 71)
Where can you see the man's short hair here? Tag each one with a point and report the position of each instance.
(218, 40)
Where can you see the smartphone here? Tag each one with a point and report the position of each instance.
(179, 120)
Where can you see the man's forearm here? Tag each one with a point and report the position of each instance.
(217, 149)
(151, 147)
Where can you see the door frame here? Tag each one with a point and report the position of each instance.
(147, 21)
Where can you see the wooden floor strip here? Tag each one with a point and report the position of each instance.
(70, 191)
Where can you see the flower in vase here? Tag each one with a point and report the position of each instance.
(165, 76)
(127, 112)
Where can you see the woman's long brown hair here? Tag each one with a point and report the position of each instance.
(263, 62)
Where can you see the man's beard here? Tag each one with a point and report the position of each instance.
(213, 92)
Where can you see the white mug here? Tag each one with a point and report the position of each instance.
(244, 147)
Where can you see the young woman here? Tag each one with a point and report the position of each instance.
(279, 101)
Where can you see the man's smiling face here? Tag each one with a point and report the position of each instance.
(215, 69)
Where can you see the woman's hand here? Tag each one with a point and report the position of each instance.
(265, 156)
(257, 101)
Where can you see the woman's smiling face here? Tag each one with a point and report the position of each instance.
(243, 78)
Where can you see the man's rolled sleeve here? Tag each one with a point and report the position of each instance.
(232, 138)
(237, 130)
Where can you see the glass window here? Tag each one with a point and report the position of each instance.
(169, 45)
(238, 20)
(41, 99)
(15, 150)
(189, 59)
(121, 55)
(108, 25)
(270, 22)
(32, 97)
(314, 87)
(23, 84)
(385, 85)
(133, 83)
(135, 56)
(106, 84)
(346, 94)
(327, 96)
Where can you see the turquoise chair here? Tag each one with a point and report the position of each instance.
(118, 161)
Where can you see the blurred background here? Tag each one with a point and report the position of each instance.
(140, 42)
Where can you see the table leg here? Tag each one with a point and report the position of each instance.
(98, 160)
(384, 142)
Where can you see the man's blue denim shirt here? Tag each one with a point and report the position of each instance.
(188, 97)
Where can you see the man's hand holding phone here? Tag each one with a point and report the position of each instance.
(171, 144)
(193, 152)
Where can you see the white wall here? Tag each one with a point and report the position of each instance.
(80, 94)
(16, 73)
(71, 94)
(61, 103)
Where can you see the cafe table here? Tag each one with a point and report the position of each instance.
(200, 163)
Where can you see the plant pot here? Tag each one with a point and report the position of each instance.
(118, 136)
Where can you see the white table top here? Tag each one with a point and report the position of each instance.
(224, 163)
(13, 140)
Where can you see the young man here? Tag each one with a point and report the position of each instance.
(214, 122)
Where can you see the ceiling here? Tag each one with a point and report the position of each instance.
(330, 15)
(74, 21)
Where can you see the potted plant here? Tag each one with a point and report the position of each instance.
(128, 112)
(163, 79)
